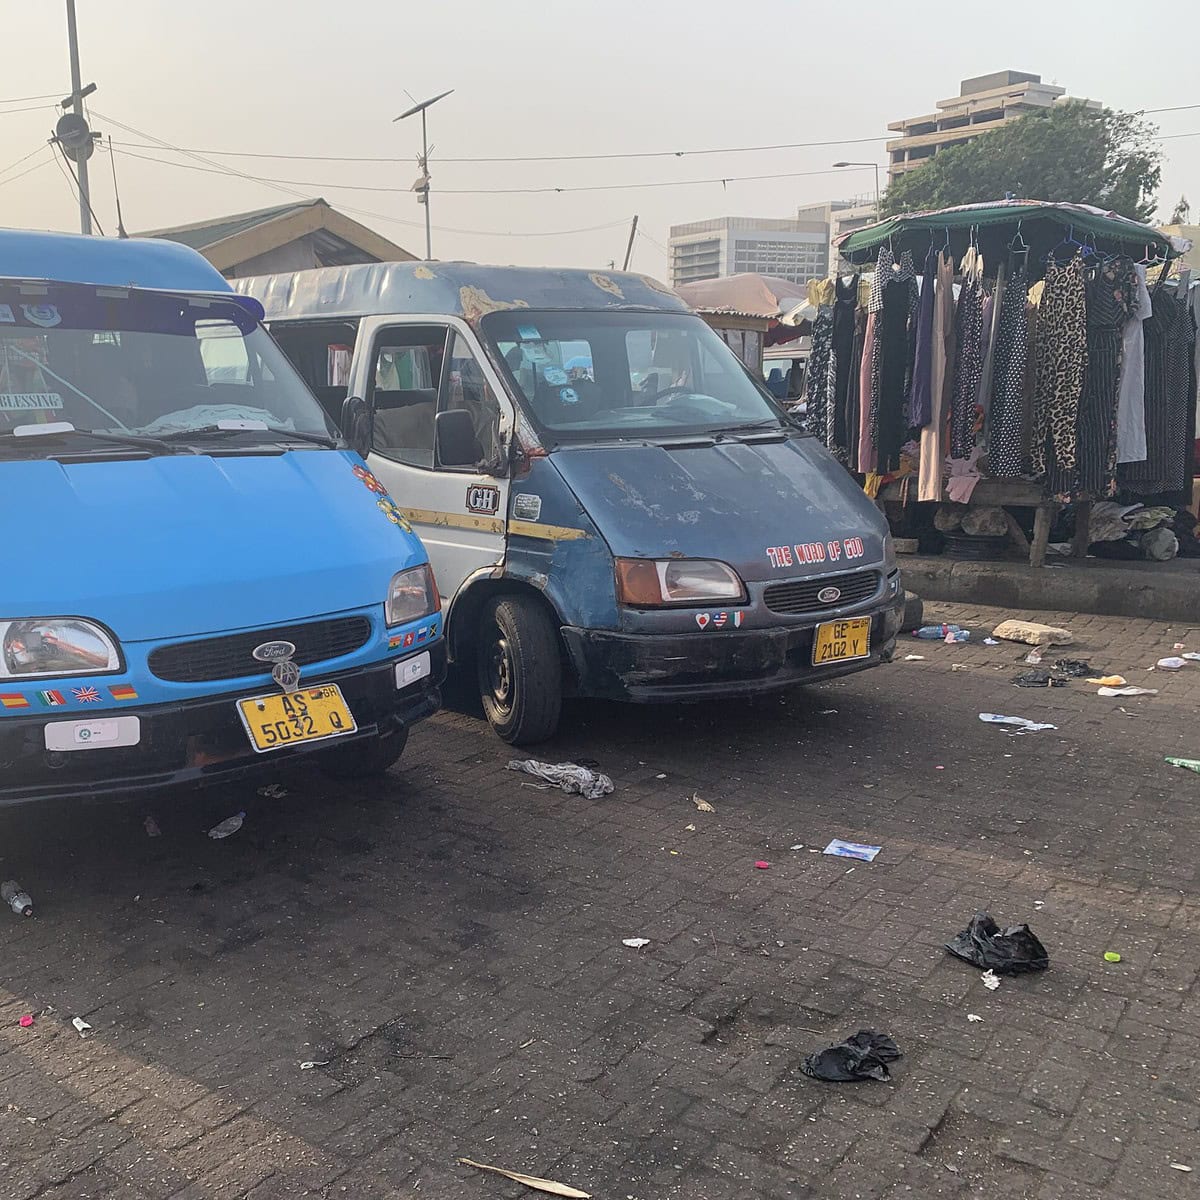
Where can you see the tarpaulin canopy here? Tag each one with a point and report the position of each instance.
(748, 295)
(1042, 225)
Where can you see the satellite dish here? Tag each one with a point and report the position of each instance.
(75, 137)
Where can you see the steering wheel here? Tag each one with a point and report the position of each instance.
(682, 389)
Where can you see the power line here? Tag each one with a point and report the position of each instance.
(30, 170)
(4, 112)
(595, 187)
(22, 99)
(25, 158)
(79, 188)
(1175, 108)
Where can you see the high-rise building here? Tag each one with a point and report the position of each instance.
(796, 250)
(983, 103)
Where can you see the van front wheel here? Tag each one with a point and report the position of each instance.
(520, 671)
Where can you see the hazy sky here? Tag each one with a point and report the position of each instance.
(544, 77)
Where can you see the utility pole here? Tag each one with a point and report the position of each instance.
(85, 201)
(629, 248)
(421, 187)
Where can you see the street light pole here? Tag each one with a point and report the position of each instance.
(85, 203)
(421, 187)
(875, 167)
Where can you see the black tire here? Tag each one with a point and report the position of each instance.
(365, 760)
(519, 670)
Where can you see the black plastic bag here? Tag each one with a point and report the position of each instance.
(1040, 679)
(1075, 668)
(1010, 951)
(865, 1055)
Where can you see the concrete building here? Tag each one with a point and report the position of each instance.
(983, 103)
(796, 250)
(289, 237)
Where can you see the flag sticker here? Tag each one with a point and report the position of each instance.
(13, 700)
(123, 691)
(52, 699)
(86, 695)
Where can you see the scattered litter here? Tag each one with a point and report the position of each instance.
(1188, 764)
(690, 828)
(914, 658)
(228, 826)
(960, 666)
(1010, 951)
(762, 865)
(864, 1055)
(530, 1181)
(1040, 679)
(1171, 664)
(311, 1065)
(151, 827)
(852, 850)
(1109, 681)
(974, 1017)
(1032, 634)
(702, 805)
(16, 898)
(990, 642)
(1111, 956)
(26, 1021)
(273, 791)
(797, 846)
(1039, 904)
(828, 712)
(635, 943)
(1181, 1167)
(1127, 691)
(81, 1026)
(1191, 656)
(1178, 646)
(1076, 668)
(991, 980)
(660, 777)
(961, 635)
(1021, 723)
(936, 633)
(573, 780)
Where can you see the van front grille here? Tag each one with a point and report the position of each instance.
(803, 595)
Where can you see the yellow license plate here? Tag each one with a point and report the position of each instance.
(837, 641)
(304, 716)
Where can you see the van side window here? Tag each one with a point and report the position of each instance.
(406, 369)
(321, 355)
(467, 388)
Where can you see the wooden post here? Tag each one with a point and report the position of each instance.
(1041, 534)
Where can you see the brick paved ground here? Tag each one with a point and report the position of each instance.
(449, 946)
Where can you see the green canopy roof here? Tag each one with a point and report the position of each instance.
(1041, 224)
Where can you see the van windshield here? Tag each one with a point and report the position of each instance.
(613, 374)
(87, 360)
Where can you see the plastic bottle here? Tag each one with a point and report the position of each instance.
(958, 635)
(935, 633)
(227, 826)
(15, 898)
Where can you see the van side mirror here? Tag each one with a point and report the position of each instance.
(456, 440)
(357, 425)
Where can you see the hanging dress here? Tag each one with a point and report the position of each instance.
(841, 366)
(895, 354)
(817, 409)
(1131, 390)
(920, 405)
(1061, 360)
(968, 351)
(934, 436)
(1008, 382)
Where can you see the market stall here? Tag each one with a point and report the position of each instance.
(1023, 344)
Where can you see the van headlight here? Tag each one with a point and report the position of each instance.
(46, 647)
(889, 552)
(653, 583)
(411, 594)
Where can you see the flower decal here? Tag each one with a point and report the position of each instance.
(391, 510)
(369, 481)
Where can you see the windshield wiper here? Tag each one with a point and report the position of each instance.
(769, 423)
(62, 429)
(276, 431)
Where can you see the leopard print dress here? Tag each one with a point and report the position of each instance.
(1061, 362)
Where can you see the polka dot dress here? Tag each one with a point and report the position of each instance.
(1008, 382)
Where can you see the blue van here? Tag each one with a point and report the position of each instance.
(201, 579)
(613, 505)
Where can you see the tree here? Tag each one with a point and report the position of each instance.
(1181, 213)
(1068, 153)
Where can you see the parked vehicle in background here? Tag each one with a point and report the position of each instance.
(202, 579)
(612, 505)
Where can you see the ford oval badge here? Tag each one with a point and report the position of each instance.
(826, 595)
(273, 652)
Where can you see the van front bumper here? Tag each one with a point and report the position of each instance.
(200, 742)
(658, 668)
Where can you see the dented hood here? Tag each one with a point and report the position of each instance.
(739, 501)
